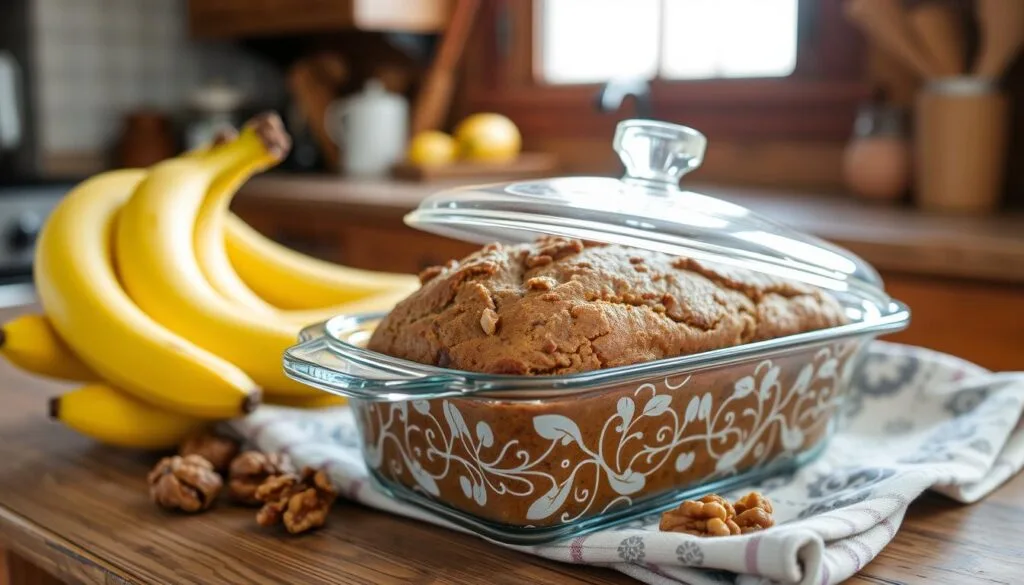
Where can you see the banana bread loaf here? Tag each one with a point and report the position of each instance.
(559, 306)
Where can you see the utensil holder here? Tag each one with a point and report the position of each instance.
(960, 146)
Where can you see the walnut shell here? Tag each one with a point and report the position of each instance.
(189, 483)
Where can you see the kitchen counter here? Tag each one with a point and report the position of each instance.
(891, 238)
(79, 512)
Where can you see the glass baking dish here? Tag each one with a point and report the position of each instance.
(529, 459)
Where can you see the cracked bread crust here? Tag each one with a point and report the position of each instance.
(560, 306)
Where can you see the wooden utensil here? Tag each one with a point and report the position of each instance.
(961, 127)
(941, 36)
(434, 97)
(1002, 33)
(885, 23)
(146, 139)
(891, 76)
(314, 83)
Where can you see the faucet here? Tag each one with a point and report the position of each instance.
(611, 95)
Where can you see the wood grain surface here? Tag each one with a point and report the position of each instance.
(80, 511)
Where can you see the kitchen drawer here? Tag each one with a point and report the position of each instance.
(977, 321)
(255, 18)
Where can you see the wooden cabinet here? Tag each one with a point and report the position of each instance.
(259, 18)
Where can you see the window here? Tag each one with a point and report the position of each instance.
(588, 41)
(741, 71)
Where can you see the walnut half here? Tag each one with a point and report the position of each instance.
(189, 483)
(705, 517)
(753, 513)
(250, 470)
(300, 502)
(713, 515)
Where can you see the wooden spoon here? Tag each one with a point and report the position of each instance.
(1002, 32)
(434, 97)
(941, 36)
(896, 81)
(885, 22)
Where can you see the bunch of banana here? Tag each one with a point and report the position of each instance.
(172, 312)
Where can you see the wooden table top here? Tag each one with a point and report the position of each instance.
(890, 237)
(81, 511)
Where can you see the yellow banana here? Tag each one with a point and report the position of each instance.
(116, 418)
(324, 400)
(31, 343)
(213, 259)
(292, 280)
(209, 235)
(81, 295)
(158, 265)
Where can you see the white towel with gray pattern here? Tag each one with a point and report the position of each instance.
(915, 420)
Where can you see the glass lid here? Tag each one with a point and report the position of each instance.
(646, 209)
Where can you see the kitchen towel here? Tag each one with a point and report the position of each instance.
(914, 420)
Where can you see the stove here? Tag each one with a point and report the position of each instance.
(23, 209)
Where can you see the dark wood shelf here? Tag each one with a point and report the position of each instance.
(239, 19)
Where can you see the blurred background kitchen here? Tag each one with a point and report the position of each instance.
(892, 128)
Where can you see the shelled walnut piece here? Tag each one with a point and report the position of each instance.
(189, 483)
(753, 513)
(300, 502)
(250, 470)
(216, 449)
(713, 515)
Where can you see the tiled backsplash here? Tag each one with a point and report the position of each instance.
(99, 59)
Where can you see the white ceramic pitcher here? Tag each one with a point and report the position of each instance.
(370, 129)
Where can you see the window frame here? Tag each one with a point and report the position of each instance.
(816, 102)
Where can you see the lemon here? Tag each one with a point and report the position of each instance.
(431, 148)
(488, 137)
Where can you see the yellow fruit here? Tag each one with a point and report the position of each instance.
(31, 343)
(83, 299)
(209, 230)
(291, 280)
(432, 148)
(211, 252)
(488, 137)
(324, 400)
(157, 263)
(115, 418)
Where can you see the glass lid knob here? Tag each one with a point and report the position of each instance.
(658, 153)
